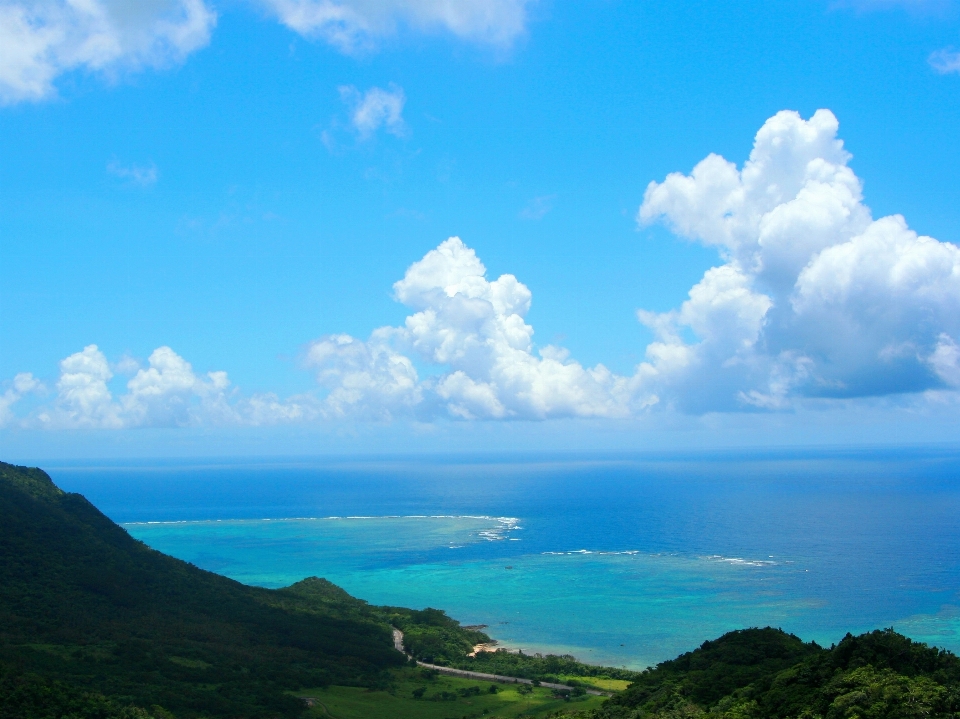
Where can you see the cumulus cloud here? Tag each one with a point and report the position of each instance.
(945, 61)
(364, 378)
(473, 330)
(375, 108)
(812, 298)
(815, 298)
(167, 392)
(23, 384)
(42, 39)
(945, 361)
(357, 25)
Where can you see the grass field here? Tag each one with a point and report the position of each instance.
(442, 697)
(606, 685)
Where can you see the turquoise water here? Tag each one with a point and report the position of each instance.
(624, 561)
(624, 609)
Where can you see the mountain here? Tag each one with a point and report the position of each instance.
(89, 614)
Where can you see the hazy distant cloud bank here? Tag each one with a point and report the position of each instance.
(42, 39)
(813, 299)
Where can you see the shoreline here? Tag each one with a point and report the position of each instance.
(499, 678)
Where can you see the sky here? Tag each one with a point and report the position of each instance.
(281, 227)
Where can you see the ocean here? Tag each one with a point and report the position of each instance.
(621, 560)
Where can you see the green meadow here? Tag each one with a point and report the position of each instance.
(602, 684)
(414, 694)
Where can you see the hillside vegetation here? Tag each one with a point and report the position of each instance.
(769, 674)
(85, 606)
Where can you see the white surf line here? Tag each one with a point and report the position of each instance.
(508, 523)
(398, 645)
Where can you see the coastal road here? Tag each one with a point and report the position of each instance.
(398, 645)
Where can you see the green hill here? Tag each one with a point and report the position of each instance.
(85, 606)
(769, 674)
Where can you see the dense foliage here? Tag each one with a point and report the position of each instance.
(768, 674)
(431, 636)
(719, 667)
(29, 696)
(83, 604)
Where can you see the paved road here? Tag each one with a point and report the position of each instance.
(398, 645)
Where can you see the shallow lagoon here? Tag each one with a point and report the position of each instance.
(623, 560)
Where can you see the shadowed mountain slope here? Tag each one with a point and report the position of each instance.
(85, 604)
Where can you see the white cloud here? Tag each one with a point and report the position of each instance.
(812, 299)
(162, 394)
(945, 61)
(945, 360)
(166, 393)
(473, 329)
(23, 384)
(357, 25)
(83, 397)
(268, 408)
(143, 175)
(374, 109)
(42, 39)
(815, 297)
(126, 365)
(364, 378)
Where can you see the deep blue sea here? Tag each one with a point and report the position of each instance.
(624, 560)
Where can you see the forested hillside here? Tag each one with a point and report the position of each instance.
(84, 605)
(768, 674)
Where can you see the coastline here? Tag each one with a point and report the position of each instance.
(499, 678)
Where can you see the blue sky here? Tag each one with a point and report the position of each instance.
(234, 188)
